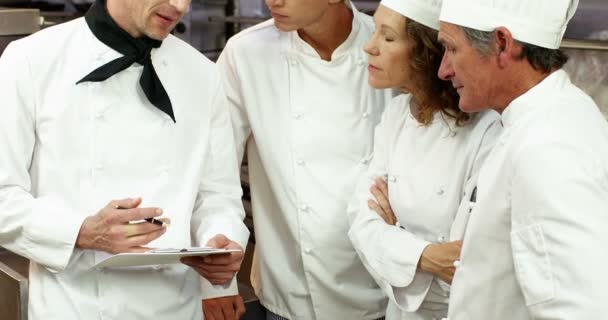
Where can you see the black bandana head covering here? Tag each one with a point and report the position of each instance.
(135, 50)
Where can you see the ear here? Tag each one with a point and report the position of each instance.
(506, 48)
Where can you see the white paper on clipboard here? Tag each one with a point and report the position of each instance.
(157, 257)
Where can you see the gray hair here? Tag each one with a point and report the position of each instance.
(540, 58)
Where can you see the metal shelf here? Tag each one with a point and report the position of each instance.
(585, 44)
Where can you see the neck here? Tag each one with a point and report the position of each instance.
(519, 81)
(120, 15)
(327, 34)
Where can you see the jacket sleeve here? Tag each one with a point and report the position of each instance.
(218, 208)
(42, 229)
(236, 106)
(558, 236)
(389, 253)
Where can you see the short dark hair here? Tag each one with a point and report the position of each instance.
(433, 93)
(540, 58)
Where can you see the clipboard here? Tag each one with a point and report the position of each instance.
(158, 257)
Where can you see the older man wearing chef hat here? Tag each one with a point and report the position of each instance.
(535, 246)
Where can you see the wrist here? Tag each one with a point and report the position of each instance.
(82, 241)
(425, 263)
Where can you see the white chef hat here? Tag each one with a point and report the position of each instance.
(538, 22)
(421, 11)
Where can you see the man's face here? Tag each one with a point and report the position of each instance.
(472, 74)
(156, 18)
(291, 15)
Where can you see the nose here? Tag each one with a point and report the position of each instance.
(275, 3)
(446, 71)
(180, 5)
(370, 47)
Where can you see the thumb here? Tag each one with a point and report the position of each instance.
(218, 241)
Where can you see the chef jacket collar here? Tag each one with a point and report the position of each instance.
(299, 46)
(133, 50)
(531, 101)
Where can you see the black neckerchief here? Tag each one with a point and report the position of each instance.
(134, 50)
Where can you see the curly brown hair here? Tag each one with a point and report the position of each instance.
(433, 94)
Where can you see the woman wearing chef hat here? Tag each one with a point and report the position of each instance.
(426, 158)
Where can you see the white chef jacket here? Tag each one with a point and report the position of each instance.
(535, 246)
(431, 173)
(311, 123)
(66, 150)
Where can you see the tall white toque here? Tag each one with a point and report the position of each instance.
(421, 11)
(538, 22)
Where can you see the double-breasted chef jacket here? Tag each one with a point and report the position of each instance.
(66, 150)
(535, 247)
(431, 171)
(309, 125)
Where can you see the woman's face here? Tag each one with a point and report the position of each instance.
(389, 51)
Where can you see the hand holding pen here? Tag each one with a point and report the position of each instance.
(111, 229)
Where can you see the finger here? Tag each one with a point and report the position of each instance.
(137, 250)
(136, 229)
(382, 200)
(234, 267)
(383, 186)
(223, 259)
(223, 277)
(135, 214)
(228, 309)
(127, 203)
(214, 314)
(373, 205)
(239, 306)
(218, 241)
(143, 239)
(207, 315)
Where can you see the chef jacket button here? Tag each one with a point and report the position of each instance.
(453, 134)
(360, 62)
(300, 162)
(440, 192)
(99, 57)
(365, 161)
(457, 263)
(307, 251)
(303, 207)
(392, 179)
(365, 115)
(296, 116)
(441, 239)
(99, 167)
(99, 116)
(294, 62)
(165, 63)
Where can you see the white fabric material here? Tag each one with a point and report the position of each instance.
(308, 127)
(431, 172)
(421, 11)
(538, 22)
(535, 246)
(66, 150)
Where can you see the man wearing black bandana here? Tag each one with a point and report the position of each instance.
(106, 121)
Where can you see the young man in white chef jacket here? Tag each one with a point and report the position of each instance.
(106, 121)
(301, 105)
(535, 247)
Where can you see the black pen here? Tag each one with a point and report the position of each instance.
(151, 220)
